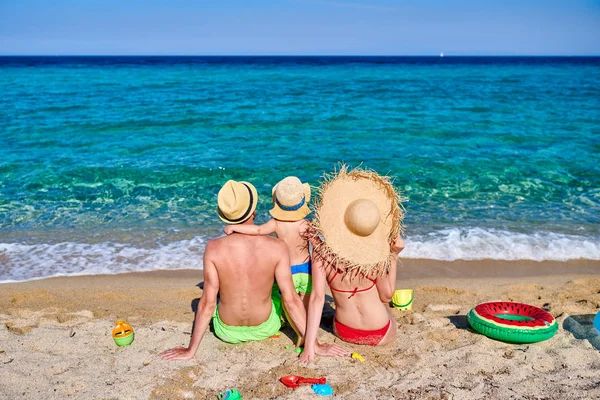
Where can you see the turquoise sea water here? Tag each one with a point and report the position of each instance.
(113, 164)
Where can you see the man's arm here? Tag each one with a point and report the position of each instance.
(291, 301)
(265, 229)
(206, 308)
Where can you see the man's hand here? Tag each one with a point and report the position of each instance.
(397, 246)
(177, 353)
(228, 229)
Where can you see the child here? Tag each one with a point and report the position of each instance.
(290, 206)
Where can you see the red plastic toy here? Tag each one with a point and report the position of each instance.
(293, 381)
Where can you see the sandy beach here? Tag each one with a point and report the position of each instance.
(55, 340)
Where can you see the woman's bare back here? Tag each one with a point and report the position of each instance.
(361, 310)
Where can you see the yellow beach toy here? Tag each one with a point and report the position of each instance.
(122, 333)
(402, 299)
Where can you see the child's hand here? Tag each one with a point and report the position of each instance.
(228, 229)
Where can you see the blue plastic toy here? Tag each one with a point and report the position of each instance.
(323, 390)
(597, 322)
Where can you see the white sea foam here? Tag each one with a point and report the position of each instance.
(478, 244)
(25, 262)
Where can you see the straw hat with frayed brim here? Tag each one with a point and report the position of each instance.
(358, 214)
(290, 200)
(237, 202)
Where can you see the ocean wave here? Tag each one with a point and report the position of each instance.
(19, 262)
(480, 244)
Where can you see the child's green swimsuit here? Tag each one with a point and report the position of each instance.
(302, 277)
(240, 334)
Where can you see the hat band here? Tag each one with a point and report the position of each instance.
(291, 208)
(243, 217)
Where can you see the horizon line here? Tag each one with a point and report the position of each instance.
(300, 55)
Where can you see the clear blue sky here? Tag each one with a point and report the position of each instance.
(288, 27)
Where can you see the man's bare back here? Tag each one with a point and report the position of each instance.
(246, 269)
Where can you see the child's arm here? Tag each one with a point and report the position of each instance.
(264, 229)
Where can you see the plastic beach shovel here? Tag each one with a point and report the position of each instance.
(293, 381)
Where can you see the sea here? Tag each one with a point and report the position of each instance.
(113, 164)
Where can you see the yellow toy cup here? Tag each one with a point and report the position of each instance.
(403, 298)
(122, 333)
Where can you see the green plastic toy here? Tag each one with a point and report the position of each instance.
(231, 394)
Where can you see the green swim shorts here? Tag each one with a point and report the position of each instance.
(277, 302)
(240, 334)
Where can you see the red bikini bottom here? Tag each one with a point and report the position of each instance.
(357, 336)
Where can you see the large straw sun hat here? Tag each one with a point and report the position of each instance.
(236, 202)
(358, 214)
(290, 199)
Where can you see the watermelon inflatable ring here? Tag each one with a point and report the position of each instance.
(512, 322)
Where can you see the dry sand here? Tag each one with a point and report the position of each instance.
(55, 340)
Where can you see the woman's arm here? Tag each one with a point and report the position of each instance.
(386, 285)
(264, 229)
(315, 309)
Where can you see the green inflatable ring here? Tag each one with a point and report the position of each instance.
(512, 322)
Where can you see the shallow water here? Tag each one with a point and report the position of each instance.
(114, 163)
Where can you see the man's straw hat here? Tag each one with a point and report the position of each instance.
(237, 201)
(358, 215)
(290, 200)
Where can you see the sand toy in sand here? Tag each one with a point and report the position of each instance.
(231, 394)
(403, 298)
(512, 322)
(322, 390)
(293, 381)
(122, 333)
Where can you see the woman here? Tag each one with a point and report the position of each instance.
(356, 246)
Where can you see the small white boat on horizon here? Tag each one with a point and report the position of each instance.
(442, 54)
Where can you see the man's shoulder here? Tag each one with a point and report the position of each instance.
(275, 248)
(215, 244)
(233, 239)
(273, 241)
(265, 242)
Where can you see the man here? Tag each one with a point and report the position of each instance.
(242, 269)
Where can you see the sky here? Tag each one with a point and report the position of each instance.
(299, 27)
